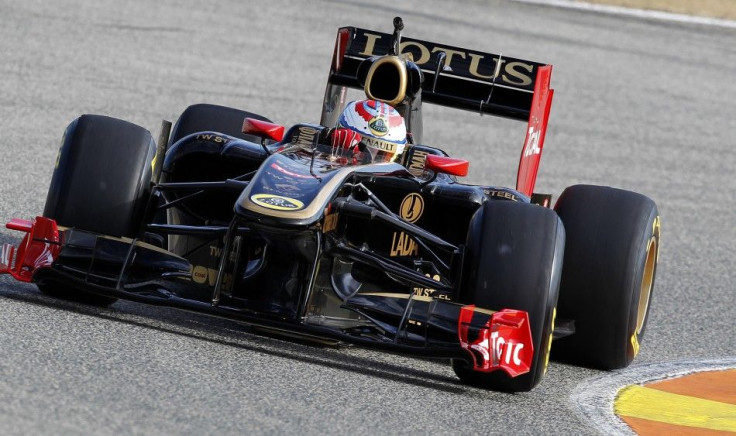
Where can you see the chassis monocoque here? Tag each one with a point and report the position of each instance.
(231, 216)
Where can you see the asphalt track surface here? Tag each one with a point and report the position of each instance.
(643, 105)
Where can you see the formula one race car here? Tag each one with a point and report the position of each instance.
(374, 242)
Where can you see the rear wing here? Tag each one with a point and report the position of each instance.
(465, 79)
(472, 80)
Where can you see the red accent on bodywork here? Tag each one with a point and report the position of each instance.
(20, 225)
(252, 126)
(38, 249)
(505, 342)
(536, 130)
(341, 46)
(447, 165)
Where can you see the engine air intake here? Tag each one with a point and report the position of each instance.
(387, 80)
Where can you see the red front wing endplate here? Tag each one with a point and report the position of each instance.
(38, 249)
(504, 343)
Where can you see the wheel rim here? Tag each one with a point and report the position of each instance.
(647, 282)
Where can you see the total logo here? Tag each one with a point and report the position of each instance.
(505, 342)
(500, 351)
(506, 351)
(532, 143)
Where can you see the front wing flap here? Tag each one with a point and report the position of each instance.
(96, 259)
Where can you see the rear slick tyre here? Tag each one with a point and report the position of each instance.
(608, 275)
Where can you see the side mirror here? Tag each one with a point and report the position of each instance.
(447, 165)
(263, 129)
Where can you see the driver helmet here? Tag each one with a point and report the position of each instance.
(381, 126)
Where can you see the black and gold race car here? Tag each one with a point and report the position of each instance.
(234, 216)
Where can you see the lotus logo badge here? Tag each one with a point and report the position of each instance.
(277, 202)
(378, 126)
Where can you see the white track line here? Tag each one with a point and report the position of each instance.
(592, 400)
(639, 13)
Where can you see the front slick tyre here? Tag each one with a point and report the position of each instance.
(101, 184)
(608, 275)
(513, 261)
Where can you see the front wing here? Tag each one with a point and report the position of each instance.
(129, 269)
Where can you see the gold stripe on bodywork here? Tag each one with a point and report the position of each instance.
(396, 295)
(125, 240)
(420, 298)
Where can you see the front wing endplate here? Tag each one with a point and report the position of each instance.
(39, 247)
(504, 342)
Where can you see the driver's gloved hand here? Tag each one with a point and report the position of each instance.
(345, 139)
